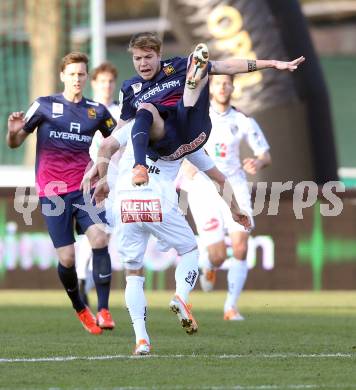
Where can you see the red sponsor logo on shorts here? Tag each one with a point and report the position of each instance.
(212, 224)
(141, 210)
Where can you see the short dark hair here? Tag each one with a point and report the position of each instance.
(105, 67)
(145, 40)
(73, 58)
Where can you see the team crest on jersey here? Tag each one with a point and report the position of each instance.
(91, 113)
(234, 129)
(168, 70)
(136, 87)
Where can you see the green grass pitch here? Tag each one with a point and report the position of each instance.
(290, 340)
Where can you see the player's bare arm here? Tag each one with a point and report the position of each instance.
(121, 123)
(15, 133)
(253, 165)
(89, 179)
(235, 65)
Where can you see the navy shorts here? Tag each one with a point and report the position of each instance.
(186, 128)
(66, 212)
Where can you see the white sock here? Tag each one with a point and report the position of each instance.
(236, 278)
(136, 305)
(187, 274)
(204, 262)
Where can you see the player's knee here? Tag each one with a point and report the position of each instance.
(99, 241)
(148, 107)
(67, 261)
(217, 257)
(240, 250)
(134, 272)
(133, 266)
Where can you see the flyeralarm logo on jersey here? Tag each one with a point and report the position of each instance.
(141, 210)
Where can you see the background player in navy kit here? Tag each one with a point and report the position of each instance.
(170, 119)
(65, 125)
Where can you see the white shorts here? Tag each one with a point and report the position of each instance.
(211, 214)
(162, 219)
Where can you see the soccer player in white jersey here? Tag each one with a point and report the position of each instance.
(229, 128)
(103, 83)
(153, 209)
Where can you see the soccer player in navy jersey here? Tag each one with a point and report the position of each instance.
(66, 124)
(170, 99)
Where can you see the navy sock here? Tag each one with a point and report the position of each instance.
(140, 135)
(102, 276)
(68, 277)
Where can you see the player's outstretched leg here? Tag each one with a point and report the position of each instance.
(198, 66)
(148, 126)
(197, 77)
(140, 135)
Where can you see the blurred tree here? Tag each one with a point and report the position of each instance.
(128, 9)
(44, 26)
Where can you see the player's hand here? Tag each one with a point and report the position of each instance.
(89, 179)
(101, 192)
(15, 122)
(242, 219)
(252, 165)
(291, 65)
(239, 215)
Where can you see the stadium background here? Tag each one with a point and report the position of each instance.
(313, 253)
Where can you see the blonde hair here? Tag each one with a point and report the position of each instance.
(145, 40)
(73, 58)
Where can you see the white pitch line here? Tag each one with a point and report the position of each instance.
(194, 356)
(242, 387)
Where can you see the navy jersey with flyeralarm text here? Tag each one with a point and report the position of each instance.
(64, 134)
(166, 88)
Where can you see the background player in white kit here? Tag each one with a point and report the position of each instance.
(153, 209)
(103, 83)
(229, 128)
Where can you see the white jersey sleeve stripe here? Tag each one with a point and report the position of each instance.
(31, 110)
